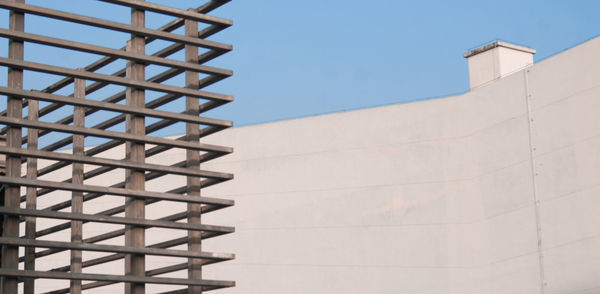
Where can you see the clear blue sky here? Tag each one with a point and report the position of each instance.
(300, 58)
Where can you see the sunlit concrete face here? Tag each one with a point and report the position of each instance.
(493, 191)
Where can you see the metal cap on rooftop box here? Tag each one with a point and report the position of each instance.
(496, 60)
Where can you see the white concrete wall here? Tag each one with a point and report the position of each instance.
(565, 103)
(493, 191)
(438, 196)
(427, 197)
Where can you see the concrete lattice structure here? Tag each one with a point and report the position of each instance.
(86, 219)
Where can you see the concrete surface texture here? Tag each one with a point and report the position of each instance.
(492, 191)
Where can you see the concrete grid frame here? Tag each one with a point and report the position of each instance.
(61, 248)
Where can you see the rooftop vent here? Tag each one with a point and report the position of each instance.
(496, 60)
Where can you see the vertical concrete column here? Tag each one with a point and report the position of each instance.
(14, 108)
(193, 159)
(31, 195)
(77, 178)
(135, 180)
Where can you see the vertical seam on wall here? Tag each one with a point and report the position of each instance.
(495, 64)
(534, 174)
